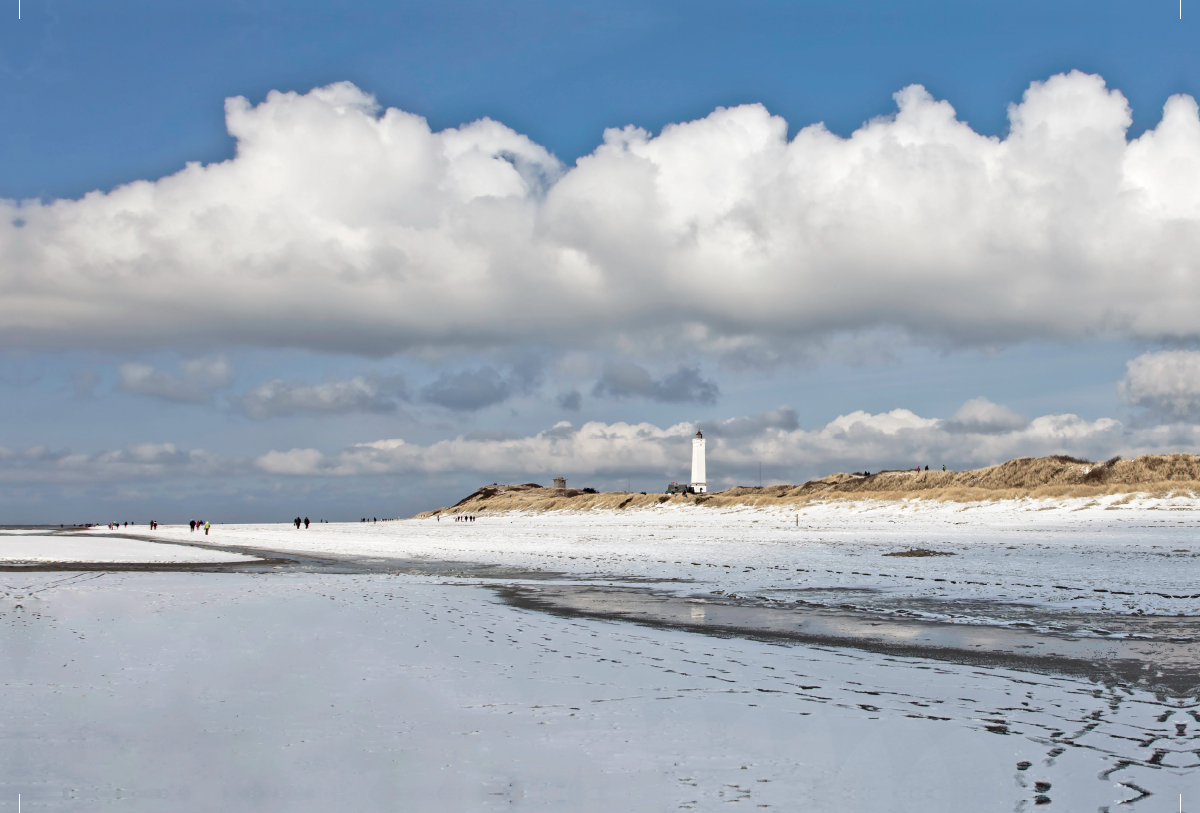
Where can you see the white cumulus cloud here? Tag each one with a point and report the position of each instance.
(341, 227)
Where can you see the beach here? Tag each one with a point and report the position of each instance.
(508, 663)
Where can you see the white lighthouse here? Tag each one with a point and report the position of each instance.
(699, 486)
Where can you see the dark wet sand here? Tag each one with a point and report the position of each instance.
(1163, 658)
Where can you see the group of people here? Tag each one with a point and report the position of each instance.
(195, 525)
(464, 518)
(372, 519)
(298, 522)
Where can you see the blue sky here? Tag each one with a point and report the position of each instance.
(98, 94)
(103, 94)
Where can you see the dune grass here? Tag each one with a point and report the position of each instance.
(1028, 477)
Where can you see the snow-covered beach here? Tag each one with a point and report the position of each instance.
(294, 688)
(1110, 555)
(31, 548)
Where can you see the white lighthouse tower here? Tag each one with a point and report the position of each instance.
(699, 486)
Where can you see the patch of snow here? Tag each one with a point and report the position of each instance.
(22, 548)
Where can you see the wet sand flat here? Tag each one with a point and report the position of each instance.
(297, 691)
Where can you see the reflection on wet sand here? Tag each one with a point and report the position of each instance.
(1150, 653)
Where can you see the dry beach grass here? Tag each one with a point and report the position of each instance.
(1028, 477)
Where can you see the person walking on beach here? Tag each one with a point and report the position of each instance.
(206, 527)
(191, 525)
(306, 523)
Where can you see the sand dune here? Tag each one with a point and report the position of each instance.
(1040, 477)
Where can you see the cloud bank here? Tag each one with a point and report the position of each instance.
(859, 440)
(137, 462)
(856, 441)
(340, 227)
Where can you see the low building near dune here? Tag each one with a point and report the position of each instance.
(560, 482)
